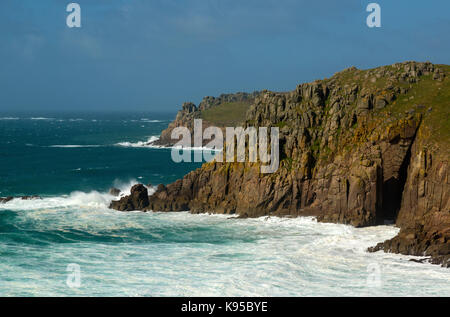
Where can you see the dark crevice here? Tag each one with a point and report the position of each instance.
(347, 189)
(393, 188)
(393, 191)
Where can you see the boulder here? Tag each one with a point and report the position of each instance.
(114, 191)
(6, 199)
(9, 198)
(137, 200)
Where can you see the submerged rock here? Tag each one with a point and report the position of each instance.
(30, 197)
(114, 191)
(7, 199)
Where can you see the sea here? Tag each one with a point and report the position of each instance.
(70, 244)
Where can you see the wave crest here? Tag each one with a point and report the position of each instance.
(77, 199)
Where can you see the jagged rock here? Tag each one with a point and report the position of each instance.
(6, 199)
(424, 215)
(33, 197)
(349, 154)
(114, 191)
(137, 200)
(189, 112)
(9, 198)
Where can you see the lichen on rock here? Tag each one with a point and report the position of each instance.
(360, 148)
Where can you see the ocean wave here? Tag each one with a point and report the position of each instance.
(71, 146)
(77, 199)
(203, 148)
(209, 255)
(151, 140)
(41, 118)
(151, 121)
(49, 119)
(140, 144)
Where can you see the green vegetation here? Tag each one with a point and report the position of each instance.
(427, 96)
(227, 114)
(281, 124)
(433, 99)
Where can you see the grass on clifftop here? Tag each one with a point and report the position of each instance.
(431, 95)
(434, 97)
(230, 114)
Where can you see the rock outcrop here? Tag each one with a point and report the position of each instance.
(359, 148)
(137, 200)
(114, 191)
(189, 112)
(424, 217)
(9, 198)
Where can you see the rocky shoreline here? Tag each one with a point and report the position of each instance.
(4, 200)
(360, 148)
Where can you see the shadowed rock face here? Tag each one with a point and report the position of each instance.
(424, 217)
(357, 149)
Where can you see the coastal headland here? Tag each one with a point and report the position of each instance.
(364, 148)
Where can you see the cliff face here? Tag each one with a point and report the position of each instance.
(424, 217)
(211, 110)
(360, 148)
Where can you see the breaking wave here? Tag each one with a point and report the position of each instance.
(76, 199)
(141, 144)
(70, 146)
(151, 140)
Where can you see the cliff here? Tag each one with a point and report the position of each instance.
(222, 111)
(363, 147)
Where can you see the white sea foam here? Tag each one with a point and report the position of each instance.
(179, 254)
(70, 146)
(47, 119)
(41, 118)
(140, 144)
(77, 199)
(193, 148)
(151, 121)
(150, 144)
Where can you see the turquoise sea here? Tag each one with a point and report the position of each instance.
(72, 159)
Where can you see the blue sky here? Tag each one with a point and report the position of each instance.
(152, 55)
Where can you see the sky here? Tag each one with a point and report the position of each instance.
(153, 55)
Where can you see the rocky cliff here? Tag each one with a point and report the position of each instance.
(362, 147)
(225, 110)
